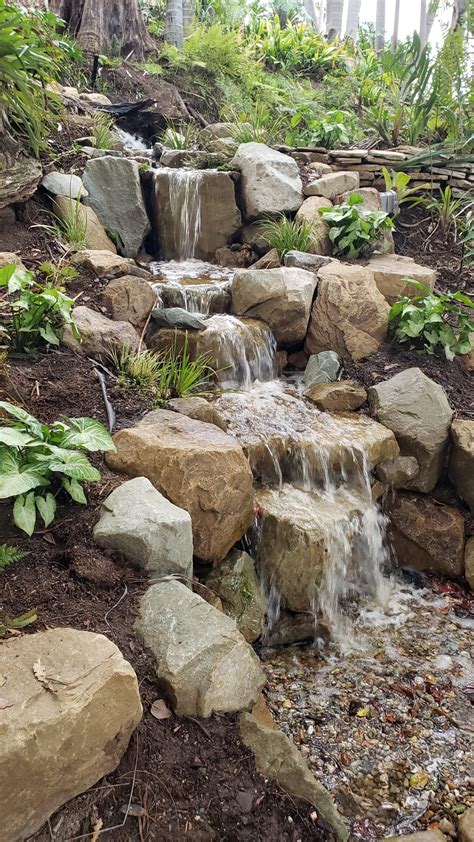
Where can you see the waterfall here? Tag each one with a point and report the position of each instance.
(185, 206)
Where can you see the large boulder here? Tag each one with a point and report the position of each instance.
(391, 272)
(281, 297)
(196, 466)
(461, 462)
(98, 334)
(138, 522)
(201, 657)
(270, 181)
(106, 264)
(333, 184)
(349, 316)
(310, 212)
(70, 703)
(207, 200)
(95, 235)
(129, 299)
(426, 536)
(417, 410)
(115, 194)
(236, 583)
(198, 408)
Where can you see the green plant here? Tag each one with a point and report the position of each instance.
(331, 130)
(182, 138)
(399, 181)
(444, 208)
(8, 555)
(428, 320)
(354, 233)
(257, 124)
(284, 234)
(466, 235)
(34, 313)
(294, 47)
(37, 461)
(70, 227)
(138, 369)
(56, 275)
(102, 130)
(18, 622)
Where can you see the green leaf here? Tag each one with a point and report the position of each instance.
(24, 512)
(75, 490)
(73, 464)
(18, 476)
(47, 333)
(19, 622)
(46, 507)
(13, 437)
(28, 420)
(87, 433)
(6, 273)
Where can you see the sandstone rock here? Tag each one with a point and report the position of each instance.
(304, 260)
(349, 316)
(219, 216)
(19, 174)
(95, 236)
(197, 467)
(225, 147)
(253, 234)
(321, 368)
(469, 562)
(299, 360)
(116, 196)
(467, 360)
(398, 472)
(95, 98)
(333, 184)
(83, 725)
(461, 462)
(281, 297)
(64, 184)
(426, 536)
(129, 299)
(319, 168)
(310, 212)
(342, 396)
(198, 408)
(138, 522)
(270, 260)
(98, 334)
(277, 758)
(104, 263)
(292, 628)
(420, 836)
(236, 583)
(370, 195)
(215, 130)
(270, 181)
(237, 257)
(391, 271)
(466, 826)
(201, 657)
(9, 257)
(417, 410)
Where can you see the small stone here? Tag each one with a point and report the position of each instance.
(342, 396)
(177, 317)
(129, 299)
(64, 184)
(322, 368)
(398, 472)
(236, 583)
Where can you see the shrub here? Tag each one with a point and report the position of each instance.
(285, 234)
(37, 461)
(35, 313)
(429, 321)
(444, 208)
(332, 130)
(355, 233)
(294, 47)
(183, 137)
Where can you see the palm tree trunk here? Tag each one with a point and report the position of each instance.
(353, 13)
(422, 28)
(396, 22)
(335, 9)
(311, 13)
(380, 25)
(174, 23)
(188, 15)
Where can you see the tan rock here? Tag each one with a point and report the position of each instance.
(95, 236)
(270, 260)
(370, 195)
(398, 472)
(277, 758)
(80, 718)
(9, 257)
(421, 836)
(310, 212)
(104, 263)
(466, 826)
(426, 536)
(319, 168)
(469, 562)
(198, 408)
(235, 258)
(349, 316)
(98, 334)
(461, 462)
(298, 360)
(391, 272)
(129, 299)
(333, 184)
(341, 396)
(270, 181)
(197, 467)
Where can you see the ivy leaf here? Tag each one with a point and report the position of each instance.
(24, 512)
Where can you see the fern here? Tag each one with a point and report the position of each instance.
(9, 554)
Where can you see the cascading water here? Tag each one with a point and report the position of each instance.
(185, 205)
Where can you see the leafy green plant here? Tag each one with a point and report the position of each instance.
(70, 227)
(37, 461)
(102, 130)
(331, 130)
(399, 181)
(354, 233)
(183, 137)
(34, 314)
(8, 555)
(428, 321)
(285, 234)
(255, 125)
(56, 275)
(295, 46)
(444, 208)
(137, 369)
(466, 235)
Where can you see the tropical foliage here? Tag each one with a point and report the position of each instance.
(354, 233)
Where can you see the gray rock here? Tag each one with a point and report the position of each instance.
(201, 657)
(322, 368)
(270, 181)
(303, 260)
(98, 334)
(177, 317)
(138, 522)
(82, 722)
(236, 583)
(116, 196)
(333, 184)
(217, 130)
(398, 472)
(416, 409)
(64, 184)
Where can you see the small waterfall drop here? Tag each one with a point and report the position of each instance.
(185, 205)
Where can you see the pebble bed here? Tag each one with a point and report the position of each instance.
(386, 724)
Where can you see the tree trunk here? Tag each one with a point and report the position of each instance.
(380, 25)
(353, 13)
(459, 9)
(311, 13)
(396, 22)
(188, 15)
(335, 9)
(104, 25)
(174, 23)
(422, 28)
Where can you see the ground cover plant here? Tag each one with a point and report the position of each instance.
(354, 233)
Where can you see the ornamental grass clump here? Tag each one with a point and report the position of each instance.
(286, 235)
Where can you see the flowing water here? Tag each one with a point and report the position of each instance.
(185, 208)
